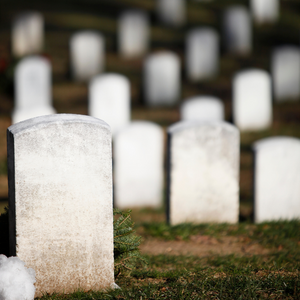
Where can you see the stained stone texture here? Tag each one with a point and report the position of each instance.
(265, 11)
(138, 165)
(109, 100)
(27, 34)
(203, 172)
(202, 54)
(60, 201)
(133, 33)
(162, 84)
(202, 108)
(33, 89)
(277, 179)
(237, 29)
(252, 100)
(87, 54)
(286, 73)
(171, 12)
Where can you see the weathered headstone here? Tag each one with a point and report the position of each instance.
(27, 34)
(286, 73)
(202, 108)
(87, 54)
(171, 12)
(109, 100)
(33, 96)
(265, 11)
(277, 179)
(203, 172)
(60, 201)
(138, 165)
(202, 54)
(162, 85)
(252, 100)
(237, 27)
(133, 33)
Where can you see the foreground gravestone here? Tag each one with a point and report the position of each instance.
(138, 165)
(203, 172)
(277, 179)
(27, 34)
(237, 29)
(60, 201)
(162, 79)
(109, 100)
(286, 73)
(252, 100)
(133, 33)
(87, 54)
(202, 108)
(265, 11)
(202, 54)
(171, 12)
(33, 86)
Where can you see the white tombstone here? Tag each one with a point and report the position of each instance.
(265, 11)
(133, 33)
(237, 27)
(60, 201)
(203, 172)
(277, 179)
(171, 12)
(27, 34)
(109, 100)
(138, 165)
(252, 100)
(286, 73)
(202, 108)
(87, 54)
(33, 89)
(162, 85)
(202, 54)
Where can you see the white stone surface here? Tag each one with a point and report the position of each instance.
(286, 73)
(33, 89)
(252, 100)
(277, 179)
(203, 172)
(237, 28)
(87, 54)
(162, 85)
(138, 165)
(265, 11)
(60, 188)
(133, 33)
(202, 108)
(27, 34)
(109, 100)
(202, 54)
(171, 12)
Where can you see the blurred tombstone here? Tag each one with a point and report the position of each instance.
(171, 12)
(277, 179)
(33, 96)
(109, 100)
(87, 54)
(286, 73)
(27, 34)
(252, 100)
(202, 54)
(265, 11)
(237, 28)
(138, 165)
(203, 172)
(202, 108)
(133, 33)
(60, 201)
(162, 83)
